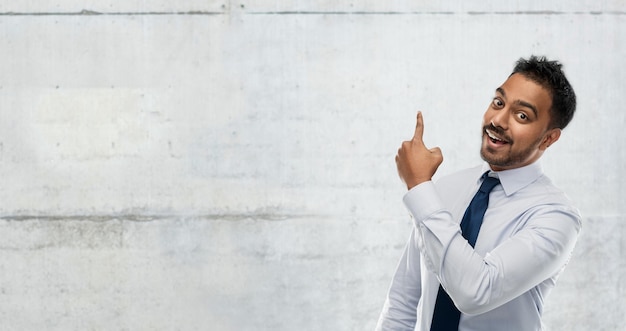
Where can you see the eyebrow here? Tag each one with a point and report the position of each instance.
(519, 102)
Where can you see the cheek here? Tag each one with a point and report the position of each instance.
(525, 137)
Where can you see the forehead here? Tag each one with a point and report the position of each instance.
(519, 88)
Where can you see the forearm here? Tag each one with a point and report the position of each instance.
(399, 311)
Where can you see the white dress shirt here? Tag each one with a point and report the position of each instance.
(526, 238)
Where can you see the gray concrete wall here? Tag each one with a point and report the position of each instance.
(204, 165)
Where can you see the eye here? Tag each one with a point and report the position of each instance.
(522, 116)
(497, 103)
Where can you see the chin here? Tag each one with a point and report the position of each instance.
(488, 157)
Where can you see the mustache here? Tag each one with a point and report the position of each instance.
(498, 131)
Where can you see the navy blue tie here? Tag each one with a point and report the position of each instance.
(446, 316)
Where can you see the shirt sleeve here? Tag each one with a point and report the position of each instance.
(478, 284)
(399, 311)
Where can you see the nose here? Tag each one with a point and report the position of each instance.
(499, 118)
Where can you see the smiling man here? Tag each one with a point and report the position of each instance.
(489, 242)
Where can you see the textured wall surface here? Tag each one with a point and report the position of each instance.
(215, 165)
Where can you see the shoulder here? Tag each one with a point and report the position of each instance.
(457, 186)
(460, 178)
(544, 189)
(542, 197)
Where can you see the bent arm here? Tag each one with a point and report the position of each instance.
(476, 283)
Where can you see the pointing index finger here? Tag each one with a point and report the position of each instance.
(419, 127)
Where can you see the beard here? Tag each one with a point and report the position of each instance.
(506, 159)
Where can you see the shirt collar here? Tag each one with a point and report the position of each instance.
(516, 179)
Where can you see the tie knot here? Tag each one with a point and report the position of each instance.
(488, 183)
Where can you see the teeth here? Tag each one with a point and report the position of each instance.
(492, 136)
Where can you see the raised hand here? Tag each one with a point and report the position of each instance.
(416, 163)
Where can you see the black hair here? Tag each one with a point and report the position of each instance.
(549, 75)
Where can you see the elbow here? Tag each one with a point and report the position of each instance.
(478, 295)
(471, 307)
(473, 301)
(478, 301)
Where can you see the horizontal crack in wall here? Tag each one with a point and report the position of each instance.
(150, 218)
(86, 12)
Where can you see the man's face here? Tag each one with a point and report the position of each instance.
(515, 126)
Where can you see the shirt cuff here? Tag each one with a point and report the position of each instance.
(422, 201)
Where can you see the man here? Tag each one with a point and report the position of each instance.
(494, 271)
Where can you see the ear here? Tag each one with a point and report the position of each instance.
(550, 138)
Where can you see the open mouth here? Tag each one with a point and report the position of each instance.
(495, 138)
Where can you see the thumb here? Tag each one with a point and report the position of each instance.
(435, 150)
(436, 154)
